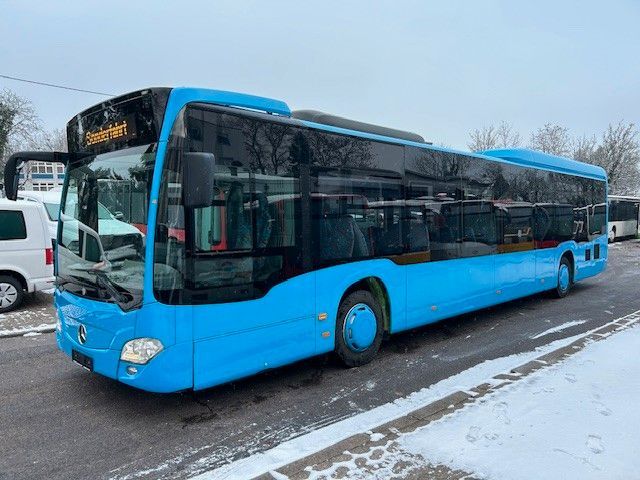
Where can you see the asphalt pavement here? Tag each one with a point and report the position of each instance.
(59, 421)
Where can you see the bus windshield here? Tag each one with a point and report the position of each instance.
(101, 248)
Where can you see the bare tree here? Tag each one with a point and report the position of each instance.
(507, 136)
(553, 139)
(584, 148)
(19, 124)
(490, 137)
(619, 155)
(50, 140)
(484, 138)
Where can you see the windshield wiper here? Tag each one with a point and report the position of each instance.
(62, 281)
(103, 281)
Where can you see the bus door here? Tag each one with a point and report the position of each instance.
(259, 306)
(515, 267)
(553, 224)
(464, 232)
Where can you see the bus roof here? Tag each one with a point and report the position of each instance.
(535, 159)
(180, 96)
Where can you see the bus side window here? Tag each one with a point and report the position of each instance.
(541, 222)
(418, 230)
(517, 228)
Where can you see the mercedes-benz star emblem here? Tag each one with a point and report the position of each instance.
(82, 334)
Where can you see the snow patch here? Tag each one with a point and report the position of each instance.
(574, 419)
(42, 328)
(559, 328)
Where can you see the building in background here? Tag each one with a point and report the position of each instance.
(42, 176)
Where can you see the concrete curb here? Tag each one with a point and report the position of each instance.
(388, 432)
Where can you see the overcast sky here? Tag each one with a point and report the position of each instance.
(437, 68)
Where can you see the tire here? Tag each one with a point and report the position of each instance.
(565, 278)
(359, 329)
(11, 293)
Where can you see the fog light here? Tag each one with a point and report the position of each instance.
(132, 370)
(141, 350)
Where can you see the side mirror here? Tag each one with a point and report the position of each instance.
(15, 161)
(198, 179)
(118, 216)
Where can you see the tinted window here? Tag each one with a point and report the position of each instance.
(479, 236)
(356, 214)
(13, 227)
(434, 180)
(287, 199)
(250, 238)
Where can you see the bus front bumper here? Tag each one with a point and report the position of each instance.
(169, 371)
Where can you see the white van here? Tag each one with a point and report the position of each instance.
(26, 253)
(108, 223)
(50, 201)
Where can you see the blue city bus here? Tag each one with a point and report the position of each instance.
(264, 236)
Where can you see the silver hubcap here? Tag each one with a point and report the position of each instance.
(8, 295)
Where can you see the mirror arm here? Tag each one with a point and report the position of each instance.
(15, 161)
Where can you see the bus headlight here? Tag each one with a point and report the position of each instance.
(141, 350)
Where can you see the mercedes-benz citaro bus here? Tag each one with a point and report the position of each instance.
(267, 236)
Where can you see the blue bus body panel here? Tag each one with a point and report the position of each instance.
(437, 290)
(109, 328)
(332, 283)
(233, 340)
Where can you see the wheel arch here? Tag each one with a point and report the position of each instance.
(376, 286)
(18, 276)
(568, 254)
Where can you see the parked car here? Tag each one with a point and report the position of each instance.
(108, 223)
(50, 201)
(26, 253)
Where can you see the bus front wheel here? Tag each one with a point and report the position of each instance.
(359, 328)
(565, 278)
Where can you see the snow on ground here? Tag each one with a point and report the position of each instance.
(35, 315)
(576, 419)
(559, 328)
(317, 440)
(30, 330)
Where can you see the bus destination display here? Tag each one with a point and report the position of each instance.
(115, 131)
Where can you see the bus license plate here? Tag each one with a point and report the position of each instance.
(82, 360)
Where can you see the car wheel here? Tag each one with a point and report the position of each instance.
(11, 293)
(359, 329)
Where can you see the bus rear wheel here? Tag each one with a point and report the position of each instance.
(359, 329)
(565, 278)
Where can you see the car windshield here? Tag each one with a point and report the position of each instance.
(52, 210)
(102, 238)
